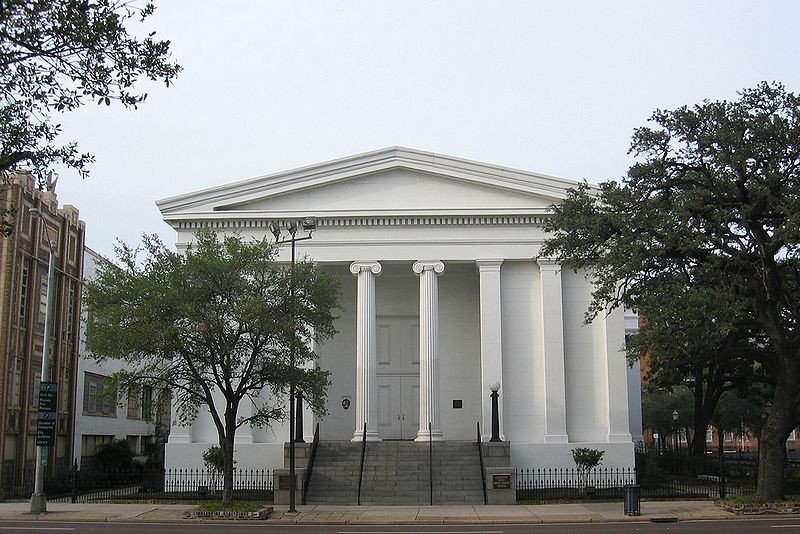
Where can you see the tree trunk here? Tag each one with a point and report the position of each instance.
(697, 445)
(772, 442)
(227, 449)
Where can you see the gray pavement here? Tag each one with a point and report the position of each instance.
(398, 515)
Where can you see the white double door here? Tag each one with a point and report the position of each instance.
(398, 376)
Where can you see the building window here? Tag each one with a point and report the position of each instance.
(63, 389)
(16, 383)
(90, 443)
(73, 247)
(98, 398)
(133, 444)
(35, 380)
(70, 327)
(42, 299)
(134, 398)
(147, 402)
(24, 292)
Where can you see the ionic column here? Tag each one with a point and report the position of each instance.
(491, 342)
(551, 312)
(309, 419)
(428, 272)
(366, 406)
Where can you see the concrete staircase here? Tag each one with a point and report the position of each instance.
(397, 472)
(334, 479)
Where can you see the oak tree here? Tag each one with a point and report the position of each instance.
(58, 55)
(715, 197)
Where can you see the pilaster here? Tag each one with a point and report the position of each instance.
(491, 341)
(552, 314)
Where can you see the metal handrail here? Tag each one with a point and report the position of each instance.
(480, 455)
(310, 466)
(361, 468)
(430, 454)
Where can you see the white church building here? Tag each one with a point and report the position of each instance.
(443, 294)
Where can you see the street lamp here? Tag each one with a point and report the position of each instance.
(675, 428)
(38, 500)
(309, 224)
(495, 387)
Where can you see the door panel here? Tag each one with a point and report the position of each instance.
(409, 393)
(389, 411)
(398, 406)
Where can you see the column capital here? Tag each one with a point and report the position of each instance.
(489, 264)
(548, 263)
(358, 266)
(428, 265)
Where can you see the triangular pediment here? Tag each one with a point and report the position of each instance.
(389, 181)
(399, 188)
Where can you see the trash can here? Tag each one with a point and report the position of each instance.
(632, 506)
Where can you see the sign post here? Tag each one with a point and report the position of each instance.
(46, 416)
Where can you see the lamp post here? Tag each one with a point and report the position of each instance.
(495, 387)
(675, 437)
(675, 430)
(309, 224)
(38, 499)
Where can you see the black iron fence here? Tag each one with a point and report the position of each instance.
(178, 485)
(542, 485)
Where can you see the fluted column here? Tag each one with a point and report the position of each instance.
(550, 302)
(428, 272)
(491, 341)
(309, 419)
(366, 403)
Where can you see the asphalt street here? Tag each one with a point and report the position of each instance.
(750, 526)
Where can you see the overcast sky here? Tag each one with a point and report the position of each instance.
(553, 87)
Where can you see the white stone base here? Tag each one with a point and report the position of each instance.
(247, 455)
(559, 455)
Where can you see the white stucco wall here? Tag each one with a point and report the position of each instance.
(119, 426)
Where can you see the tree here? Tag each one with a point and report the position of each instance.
(57, 55)
(585, 460)
(694, 337)
(657, 408)
(735, 414)
(214, 326)
(714, 196)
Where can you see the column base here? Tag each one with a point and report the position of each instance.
(619, 438)
(372, 435)
(556, 438)
(434, 435)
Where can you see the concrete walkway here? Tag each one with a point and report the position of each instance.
(319, 514)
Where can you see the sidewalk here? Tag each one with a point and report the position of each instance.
(319, 514)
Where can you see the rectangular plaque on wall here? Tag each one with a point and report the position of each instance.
(501, 482)
(284, 482)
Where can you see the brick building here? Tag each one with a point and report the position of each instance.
(23, 289)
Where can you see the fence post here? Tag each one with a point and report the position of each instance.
(75, 481)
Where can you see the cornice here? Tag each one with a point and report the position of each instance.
(366, 164)
(219, 223)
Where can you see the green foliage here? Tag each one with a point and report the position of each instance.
(55, 56)
(709, 215)
(214, 322)
(213, 459)
(587, 459)
(657, 409)
(114, 457)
